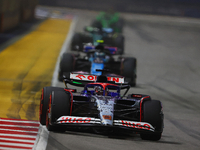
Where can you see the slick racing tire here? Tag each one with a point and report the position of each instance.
(77, 43)
(66, 65)
(46, 91)
(152, 113)
(59, 105)
(129, 70)
(119, 43)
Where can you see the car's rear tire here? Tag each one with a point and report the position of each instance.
(59, 105)
(66, 65)
(77, 43)
(152, 113)
(46, 91)
(129, 70)
(119, 43)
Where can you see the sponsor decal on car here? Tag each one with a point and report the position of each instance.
(85, 77)
(107, 117)
(88, 120)
(133, 124)
(72, 119)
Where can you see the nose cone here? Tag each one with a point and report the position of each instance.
(105, 105)
(107, 119)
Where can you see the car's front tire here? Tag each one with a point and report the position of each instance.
(152, 113)
(77, 43)
(46, 91)
(66, 64)
(59, 105)
(119, 43)
(129, 70)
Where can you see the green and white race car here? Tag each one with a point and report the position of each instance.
(109, 20)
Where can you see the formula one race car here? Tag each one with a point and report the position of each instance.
(101, 107)
(95, 35)
(99, 57)
(109, 20)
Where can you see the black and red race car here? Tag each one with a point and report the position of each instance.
(100, 106)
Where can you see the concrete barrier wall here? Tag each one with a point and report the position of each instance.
(9, 14)
(12, 12)
(28, 9)
(189, 8)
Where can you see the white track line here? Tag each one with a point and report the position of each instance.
(43, 134)
(63, 50)
(42, 139)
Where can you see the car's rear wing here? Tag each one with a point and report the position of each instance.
(81, 80)
(91, 48)
(93, 78)
(78, 79)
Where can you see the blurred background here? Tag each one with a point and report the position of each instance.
(189, 8)
(163, 35)
(12, 12)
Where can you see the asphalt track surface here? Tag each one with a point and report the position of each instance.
(168, 69)
(167, 52)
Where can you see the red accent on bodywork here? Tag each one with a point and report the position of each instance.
(92, 77)
(69, 90)
(136, 96)
(116, 79)
(80, 76)
(42, 96)
(49, 106)
(104, 84)
(141, 107)
(75, 120)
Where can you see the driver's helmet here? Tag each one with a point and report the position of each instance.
(98, 90)
(99, 55)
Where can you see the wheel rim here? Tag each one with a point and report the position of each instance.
(48, 112)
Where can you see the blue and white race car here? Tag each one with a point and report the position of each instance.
(99, 57)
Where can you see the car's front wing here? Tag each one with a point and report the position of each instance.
(96, 121)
